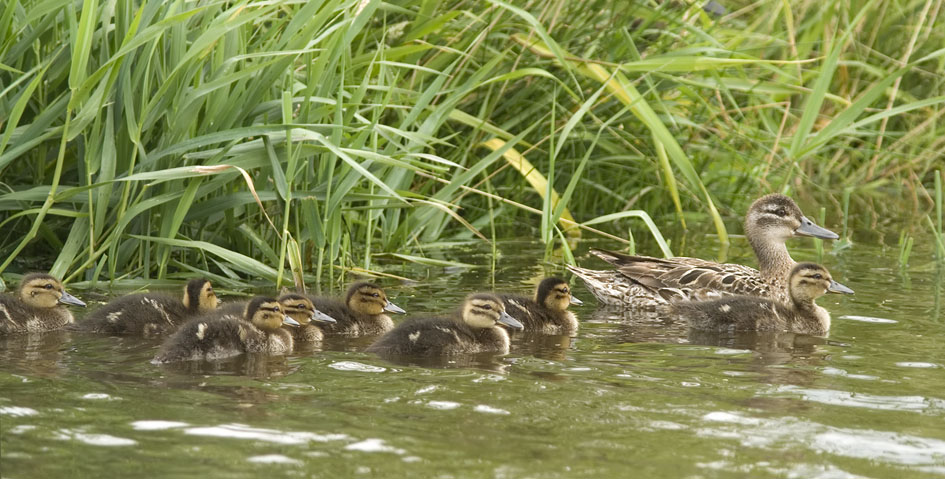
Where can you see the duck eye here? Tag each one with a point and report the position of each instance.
(486, 307)
(817, 276)
(48, 286)
(375, 295)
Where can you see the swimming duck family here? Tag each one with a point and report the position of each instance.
(645, 282)
(547, 312)
(474, 329)
(361, 313)
(806, 283)
(219, 335)
(37, 306)
(151, 314)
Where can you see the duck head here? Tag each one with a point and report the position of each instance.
(777, 217)
(484, 310)
(555, 294)
(302, 310)
(199, 296)
(267, 314)
(41, 290)
(809, 281)
(369, 299)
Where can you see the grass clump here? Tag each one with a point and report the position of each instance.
(267, 141)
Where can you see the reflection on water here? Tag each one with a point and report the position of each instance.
(631, 391)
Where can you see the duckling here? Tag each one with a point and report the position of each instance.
(219, 335)
(151, 314)
(474, 329)
(303, 311)
(645, 282)
(36, 306)
(361, 313)
(807, 282)
(548, 312)
(297, 307)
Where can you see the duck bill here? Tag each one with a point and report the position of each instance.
(393, 308)
(509, 321)
(70, 299)
(321, 317)
(808, 228)
(576, 302)
(836, 287)
(287, 320)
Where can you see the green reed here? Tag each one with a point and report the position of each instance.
(290, 142)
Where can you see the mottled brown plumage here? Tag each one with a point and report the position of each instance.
(807, 282)
(645, 282)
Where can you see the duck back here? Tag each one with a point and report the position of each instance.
(214, 337)
(439, 336)
(738, 313)
(18, 317)
(144, 314)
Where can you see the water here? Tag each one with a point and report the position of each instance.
(630, 396)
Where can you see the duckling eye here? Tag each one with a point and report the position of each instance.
(486, 307)
(48, 286)
(375, 295)
(817, 276)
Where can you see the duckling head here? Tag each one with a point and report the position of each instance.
(369, 299)
(267, 314)
(484, 310)
(555, 294)
(302, 310)
(199, 296)
(777, 217)
(41, 290)
(810, 281)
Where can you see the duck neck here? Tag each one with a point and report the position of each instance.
(774, 261)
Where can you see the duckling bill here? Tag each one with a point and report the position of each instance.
(807, 282)
(36, 306)
(547, 312)
(476, 328)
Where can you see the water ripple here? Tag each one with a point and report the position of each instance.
(17, 411)
(93, 439)
(157, 425)
(356, 366)
(901, 449)
(490, 410)
(869, 401)
(374, 445)
(274, 459)
(241, 431)
(868, 319)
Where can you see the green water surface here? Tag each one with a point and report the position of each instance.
(629, 396)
